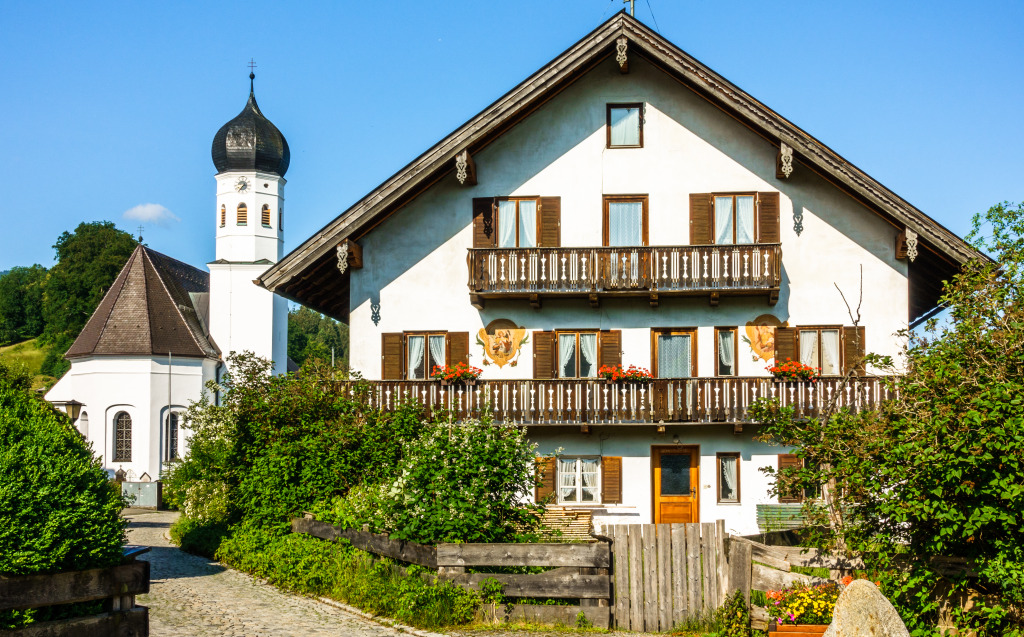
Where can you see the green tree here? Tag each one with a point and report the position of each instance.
(21, 303)
(313, 335)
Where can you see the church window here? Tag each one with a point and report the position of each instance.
(83, 424)
(280, 218)
(265, 216)
(243, 214)
(223, 215)
(122, 437)
(172, 436)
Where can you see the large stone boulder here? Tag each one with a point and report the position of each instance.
(862, 611)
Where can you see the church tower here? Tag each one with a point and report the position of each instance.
(251, 156)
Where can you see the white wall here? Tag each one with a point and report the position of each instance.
(244, 316)
(252, 241)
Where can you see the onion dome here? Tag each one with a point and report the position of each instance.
(251, 142)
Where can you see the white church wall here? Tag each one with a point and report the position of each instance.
(251, 241)
(244, 316)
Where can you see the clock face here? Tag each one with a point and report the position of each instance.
(242, 184)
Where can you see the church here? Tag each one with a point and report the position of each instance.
(165, 328)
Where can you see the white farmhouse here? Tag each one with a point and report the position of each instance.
(626, 205)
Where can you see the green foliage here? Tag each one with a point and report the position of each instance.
(202, 537)
(733, 617)
(312, 335)
(21, 303)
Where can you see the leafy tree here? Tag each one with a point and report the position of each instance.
(21, 303)
(313, 335)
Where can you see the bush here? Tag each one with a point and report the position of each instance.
(733, 617)
(199, 536)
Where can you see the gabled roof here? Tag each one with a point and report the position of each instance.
(307, 274)
(152, 308)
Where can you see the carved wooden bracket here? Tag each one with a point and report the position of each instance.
(621, 44)
(465, 169)
(595, 300)
(350, 255)
(535, 301)
(784, 161)
(713, 299)
(906, 245)
(654, 299)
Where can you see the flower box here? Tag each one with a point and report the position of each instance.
(791, 370)
(615, 374)
(798, 630)
(457, 374)
(456, 382)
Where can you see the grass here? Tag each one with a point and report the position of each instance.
(30, 355)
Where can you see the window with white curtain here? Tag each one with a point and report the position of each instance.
(674, 353)
(728, 477)
(725, 346)
(517, 223)
(624, 221)
(577, 354)
(625, 126)
(423, 353)
(579, 480)
(819, 347)
(734, 219)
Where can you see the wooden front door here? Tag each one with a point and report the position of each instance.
(676, 484)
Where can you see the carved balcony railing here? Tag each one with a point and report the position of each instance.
(647, 270)
(593, 401)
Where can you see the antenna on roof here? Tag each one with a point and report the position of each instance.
(631, 7)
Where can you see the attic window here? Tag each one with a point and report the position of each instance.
(625, 126)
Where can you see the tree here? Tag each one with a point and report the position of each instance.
(313, 335)
(21, 303)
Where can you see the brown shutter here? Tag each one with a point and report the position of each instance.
(543, 354)
(391, 356)
(768, 218)
(785, 344)
(485, 227)
(457, 347)
(853, 349)
(611, 480)
(545, 468)
(611, 348)
(701, 219)
(550, 234)
(786, 461)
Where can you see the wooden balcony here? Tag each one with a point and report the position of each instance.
(595, 402)
(649, 271)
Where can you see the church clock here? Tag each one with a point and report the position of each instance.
(242, 184)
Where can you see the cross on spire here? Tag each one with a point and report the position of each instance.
(140, 233)
(252, 65)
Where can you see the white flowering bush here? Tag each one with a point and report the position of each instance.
(207, 501)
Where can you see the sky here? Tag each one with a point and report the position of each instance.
(108, 110)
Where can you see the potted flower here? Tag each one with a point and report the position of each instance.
(793, 370)
(458, 374)
(617, 374)
(809, 607)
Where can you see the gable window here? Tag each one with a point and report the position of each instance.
(265, 216)
(579, 480)
(725, 351)
(423, 352)
(625, 126)
(243, 215)
(675, 353)
(577, 354)
(625, 220)
(517, 223)
(172, 436)
(223, 215)
(734, 219)
(122, 437)
(819, 347)
(728, 477)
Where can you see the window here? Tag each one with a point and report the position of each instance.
(280, 218)
(122, 437)
(577, 354)
(675, 353)
(223, 215)
(243, 214)
(734, 219)
(83, 424)
(579, 480)
(728, 477)
(725, 351)
(172, 437)
(517, 223)
(265, 216)
(625, 220)
(625, 125)
(819, 347)
(423, 352)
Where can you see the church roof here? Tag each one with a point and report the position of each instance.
(251, 142)
(154, 307)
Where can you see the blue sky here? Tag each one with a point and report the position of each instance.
(108, 106)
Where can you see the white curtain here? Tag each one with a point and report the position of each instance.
(527, 224)
(567, 355)
(729, 466)
(415, 362)
(436, 352)
(745, 219)
(588, 476)
(567, 479)
(809, 347)
(588, 364)
(726, 358)
(723, 220)
(625, 126)
(830, 352)
(625, 219)
(506, 224)
(674, 356)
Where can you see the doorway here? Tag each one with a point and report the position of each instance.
(676, 484)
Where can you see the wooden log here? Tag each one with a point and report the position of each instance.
(556, 584)
(693, 572)
(591, 555)
(664, 578)
(556, 615)
(802, 556)
(758, 618)
(764, 578)
(739, 569)
(636, 580)
(620, 590)
(33, 591)
(377, 543)
(127, 623)
(678, 538)
(650, 578)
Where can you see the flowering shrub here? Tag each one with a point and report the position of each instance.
(631, 373)
(793, 370)
(458, 371)
(803, 604)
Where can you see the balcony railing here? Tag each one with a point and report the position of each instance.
(648, 269)
(593, 401)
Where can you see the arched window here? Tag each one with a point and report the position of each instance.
(172, 436)
(83, 424)
(243, 214)
(223, 215)
(280, 218)
(122, 437)
(265, 216)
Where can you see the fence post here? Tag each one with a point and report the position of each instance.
(740, 562)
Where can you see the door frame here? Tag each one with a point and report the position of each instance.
(656, 451)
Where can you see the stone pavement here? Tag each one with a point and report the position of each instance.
(190, 595)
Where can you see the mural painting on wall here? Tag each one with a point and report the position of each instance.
(761, 336)
(502, 341)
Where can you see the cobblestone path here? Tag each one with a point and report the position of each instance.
(190, 595)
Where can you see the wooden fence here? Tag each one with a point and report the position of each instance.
(117, 586)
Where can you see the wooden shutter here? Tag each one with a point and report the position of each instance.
(546, 469)
(543, 354)
(853, 349)
(785, 344)
(786, 461)
(549, 234)
(768, 218)
(611, 348)
(485, 227)
(611, 480)
(391, 356)
(701, 219)
(457, 347)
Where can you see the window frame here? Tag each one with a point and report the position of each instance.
(680, 331)
(644, 221)
(735, 351)
(714, 213)
(241, 215)
(426, 352)
(608, 123)
(171, 450)
(739, 479)
(558, 353)
(265, 216)
(579, 482)
(818, 328)
(223, 216)
(497, 222)
(117, 455)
